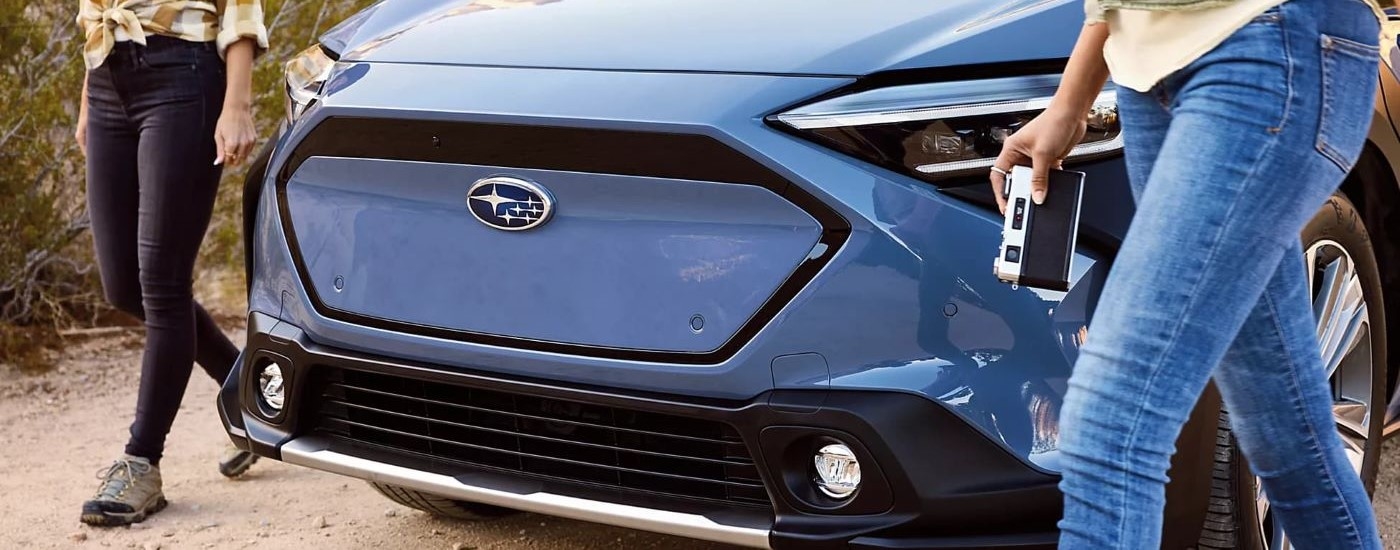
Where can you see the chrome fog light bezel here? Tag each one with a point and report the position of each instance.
(272, 387)
(836, 471)
(267, 387)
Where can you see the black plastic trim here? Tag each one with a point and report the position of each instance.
(592, 150)
(332, 424)
(227, 404)
(900, 77)
(933, 472)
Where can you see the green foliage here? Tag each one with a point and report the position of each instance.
(42, 269)
(47, 280)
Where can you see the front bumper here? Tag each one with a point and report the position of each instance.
(318, 453)
(930, 479)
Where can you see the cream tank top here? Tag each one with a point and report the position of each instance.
(1146, 46)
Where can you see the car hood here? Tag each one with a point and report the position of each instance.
(819, 37)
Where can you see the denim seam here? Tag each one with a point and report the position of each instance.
(203, 115)
(1325, 52)
(1156, 369)
(1354, 531)
(1364, 51)
(116, 91)
(1288, 83)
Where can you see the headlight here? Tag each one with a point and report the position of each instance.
(306, 73)
(935, 131)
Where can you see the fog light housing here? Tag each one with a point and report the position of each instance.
(272, 387)
(838, 471)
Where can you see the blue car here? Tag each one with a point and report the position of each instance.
(721, 269)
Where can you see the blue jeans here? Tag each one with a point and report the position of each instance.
(1229, 158)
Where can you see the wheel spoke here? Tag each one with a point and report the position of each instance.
(1328, 292)
(1340, 309)
(1351, 419)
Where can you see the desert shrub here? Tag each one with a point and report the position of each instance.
(45, 273)
(47, 278)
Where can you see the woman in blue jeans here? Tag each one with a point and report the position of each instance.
(1240, 118)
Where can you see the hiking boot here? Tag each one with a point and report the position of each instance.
(236, 462)
(130, 491)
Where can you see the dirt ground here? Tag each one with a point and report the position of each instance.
(60, 428)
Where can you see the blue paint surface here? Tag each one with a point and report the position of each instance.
(630, 262)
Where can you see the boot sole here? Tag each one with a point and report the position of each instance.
(237, 467)
(115, 519)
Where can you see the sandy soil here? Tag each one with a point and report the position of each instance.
(58, 429)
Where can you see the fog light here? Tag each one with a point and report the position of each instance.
(271, 387)
(838, 471)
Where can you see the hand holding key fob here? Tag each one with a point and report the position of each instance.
(1038, 240)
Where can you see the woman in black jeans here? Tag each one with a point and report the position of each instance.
(166, 104)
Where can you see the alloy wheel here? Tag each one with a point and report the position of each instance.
(1344, 336)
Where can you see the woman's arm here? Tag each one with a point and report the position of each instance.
(234, 135)
(80, 133)
(1045, 141)
(1086, 73)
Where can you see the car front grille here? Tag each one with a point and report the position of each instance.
(551, 438)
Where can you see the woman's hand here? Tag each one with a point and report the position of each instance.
(1043, 143)
(234, 135)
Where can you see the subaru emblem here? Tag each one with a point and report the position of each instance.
(510, 204)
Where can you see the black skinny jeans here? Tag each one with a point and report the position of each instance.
(151, 187)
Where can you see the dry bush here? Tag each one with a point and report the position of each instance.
(47, 278)
(45, 273)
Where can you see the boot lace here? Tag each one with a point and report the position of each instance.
(118, 477)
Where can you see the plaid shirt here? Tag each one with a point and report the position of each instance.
(106, 22)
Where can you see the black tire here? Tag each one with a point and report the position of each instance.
(440, 506)
(1232, 520)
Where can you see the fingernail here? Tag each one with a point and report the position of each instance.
(1038, 196)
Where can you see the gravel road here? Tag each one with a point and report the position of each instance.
(61, 427)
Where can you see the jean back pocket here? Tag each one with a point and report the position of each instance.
(1348, 69)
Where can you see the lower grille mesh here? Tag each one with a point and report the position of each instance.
(564, 440)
